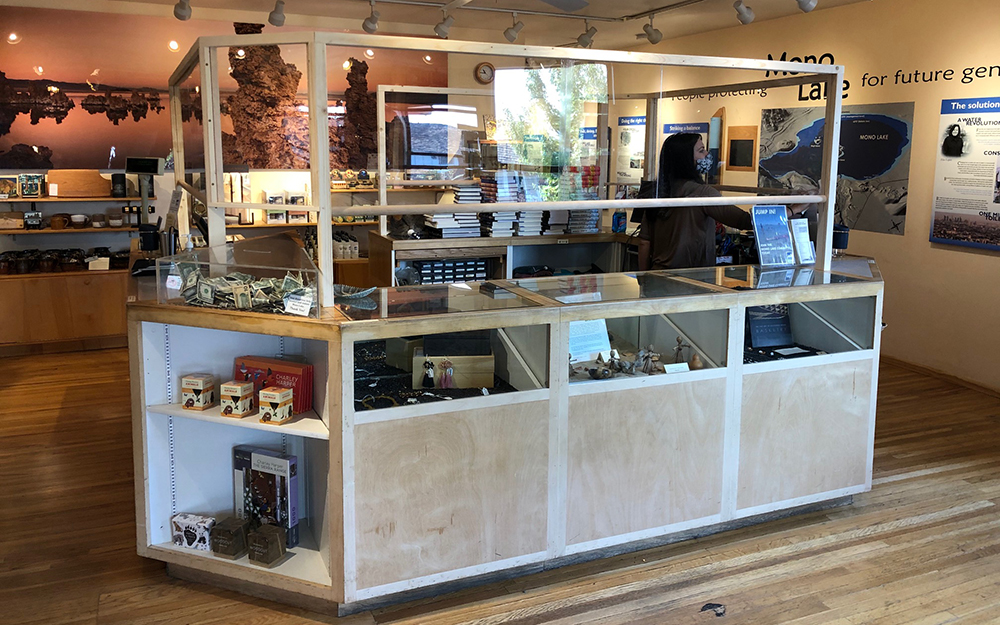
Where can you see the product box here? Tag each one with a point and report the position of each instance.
(275, 216)
(13, 220)
(242, 494)
(275, 404)
(198, 391)
(298, 217)
(267, 546)
(229, 538)
(237, 398)
(8, 187)
(264, 372)
(191, 530)
(31, 185)
(399, 351)
(274, 492)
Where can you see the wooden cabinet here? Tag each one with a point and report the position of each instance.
(39, 308)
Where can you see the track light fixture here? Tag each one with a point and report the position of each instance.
(652, 34)
(587, 38)
(442, 28)
(510, 34)
(277, 16)
(370, 25)
(807, 5)
(182, 10)
(743, 13)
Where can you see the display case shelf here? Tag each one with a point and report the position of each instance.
(305, 562)
(311, 224)
(307, 424)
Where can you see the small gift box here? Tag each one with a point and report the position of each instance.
(198, 391)
(267, 545)
(275, 404)
(191, 530)
(237, 398)
(230, 538)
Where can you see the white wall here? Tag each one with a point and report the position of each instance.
(942, 303)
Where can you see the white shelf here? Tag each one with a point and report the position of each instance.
(306, 425)
(305, 562)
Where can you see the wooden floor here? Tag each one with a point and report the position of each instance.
(923, 547)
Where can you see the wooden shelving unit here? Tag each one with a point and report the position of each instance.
(24, 200)
(60, 274)
(87, 230)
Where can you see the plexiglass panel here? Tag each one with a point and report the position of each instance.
(439, 367)
(802, 329)
(426, 300)
(753, 277)
(609, 287)
(628, 347)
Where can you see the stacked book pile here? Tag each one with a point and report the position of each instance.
(467, 194)
(557, 222)
(451, 226)
(498, 224)
(529, 223)
(500, 186)
(584, 221)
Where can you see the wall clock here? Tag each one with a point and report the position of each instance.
(485, 73)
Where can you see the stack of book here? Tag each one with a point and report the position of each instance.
(498, 224)
(451, 226)
(467, 194)
(499, 186)
(584, 221)
(556, 222)
(529, 223)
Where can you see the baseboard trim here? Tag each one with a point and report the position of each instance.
(941, 375)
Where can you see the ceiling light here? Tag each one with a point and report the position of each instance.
(197, 89)
(347, 66)
(370, 25)
(241, 53)
(53, 89)
(807, 5)
(174, 46)
(13, 39)
(587, 38)
(277, 16)
(743, 13)
(427, 59)
(652, 34)
(369, 54)
(38, 70)
(442, 28)
(182, 10)
(510, 34)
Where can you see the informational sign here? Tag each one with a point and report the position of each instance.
(631, 149)
(588, 145)
(967, 176)
(774, 241)
(534, 148)
(874, 168)
(673, 129)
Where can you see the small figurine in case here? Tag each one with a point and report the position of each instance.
(230, 538)
(191, 530)
(275, 404)
(237, 398)
(198, 391)
(267, 545)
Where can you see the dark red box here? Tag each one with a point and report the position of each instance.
(264, 372)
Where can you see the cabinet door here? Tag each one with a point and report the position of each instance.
(804, 431)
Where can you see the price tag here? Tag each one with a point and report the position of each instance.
(298, 305)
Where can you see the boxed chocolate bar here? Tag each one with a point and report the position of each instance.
(191, 530)
(237, 398)
(198, 391)
(267, 545)
(229, 538)
(264, 372)
(275, 405)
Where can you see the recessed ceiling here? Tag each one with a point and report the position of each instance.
(695, 17)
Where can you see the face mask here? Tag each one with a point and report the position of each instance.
(704, 165)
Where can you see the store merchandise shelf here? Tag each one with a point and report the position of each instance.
(306, 425)
(300, 225)
(305, 562)
(87, 230)
(61, 274)
(21, 200)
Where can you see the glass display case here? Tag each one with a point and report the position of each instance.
(271, 274)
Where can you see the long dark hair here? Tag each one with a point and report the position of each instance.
(677, 163)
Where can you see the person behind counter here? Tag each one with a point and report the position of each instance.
(684, 236)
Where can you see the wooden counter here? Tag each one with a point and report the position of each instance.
(400, 500)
